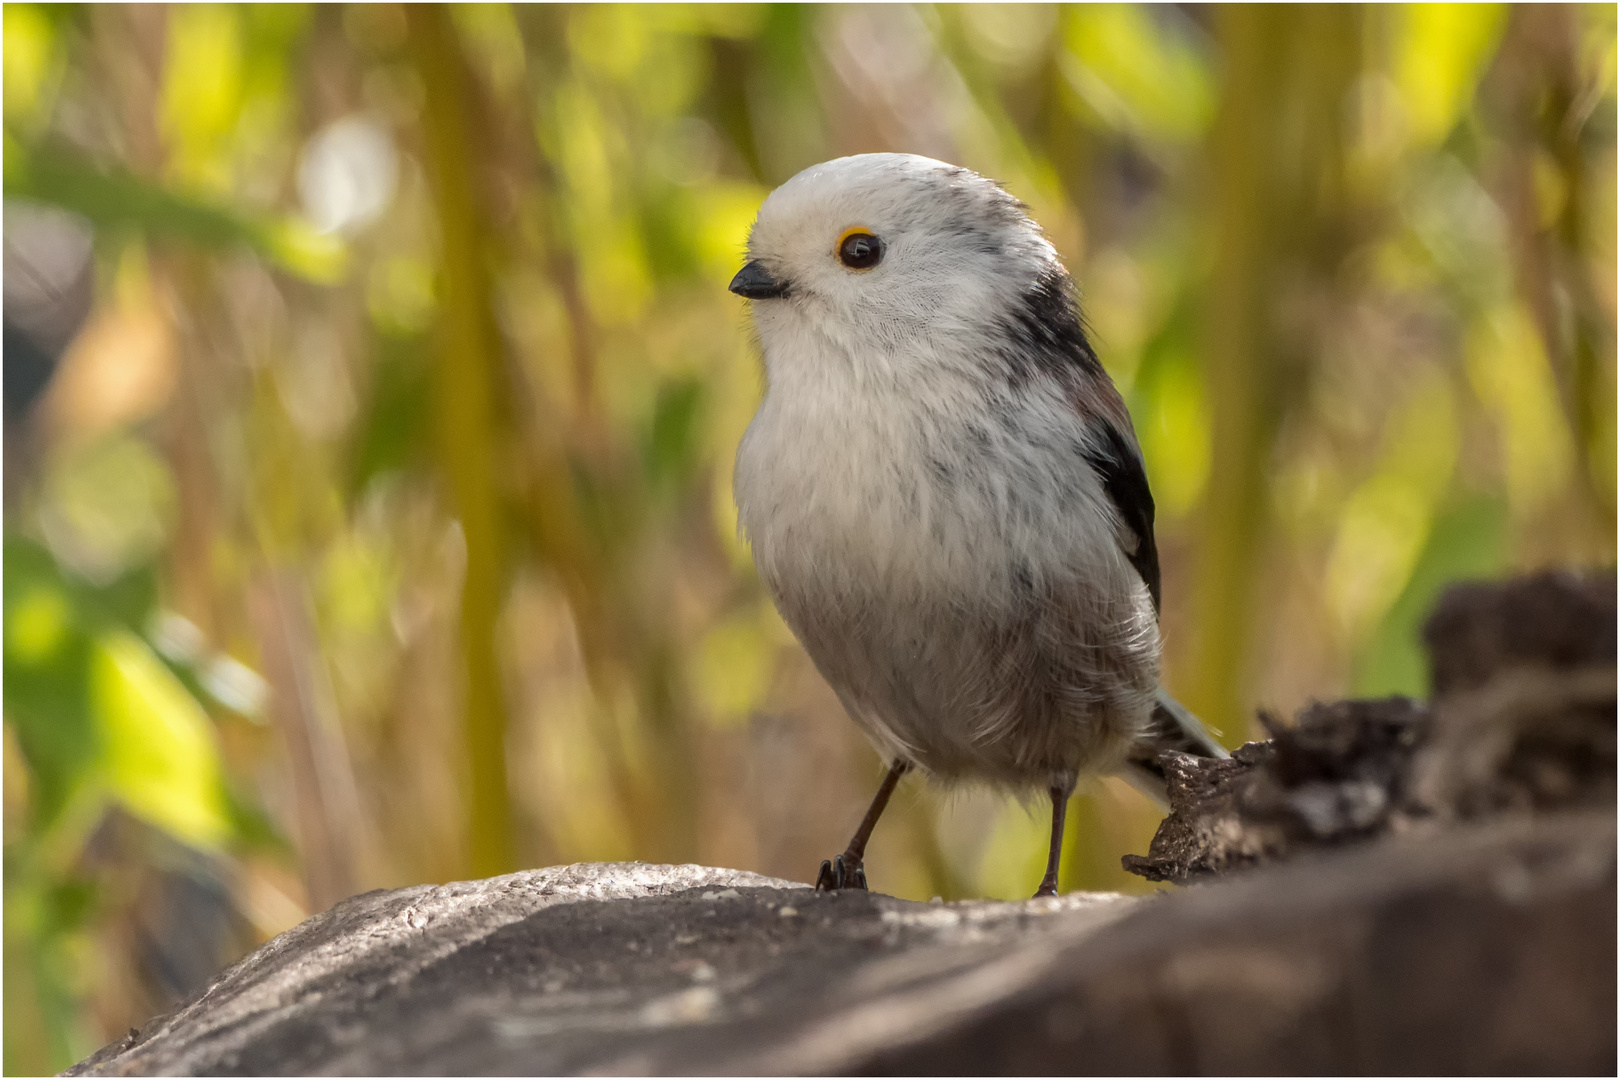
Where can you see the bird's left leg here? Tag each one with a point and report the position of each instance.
(1060, 808)
(847, 871)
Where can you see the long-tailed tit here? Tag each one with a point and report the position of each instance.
(943, 491)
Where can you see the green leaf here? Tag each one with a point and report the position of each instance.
(118, 200)
(253, 827)
(1441, 50)
(1171, 411)
(671, 444)
(1140, 69)
(47, 657)
(1468, 540)
(394, 432)
(160, 760)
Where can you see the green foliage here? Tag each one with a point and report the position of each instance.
(97, 713)
(1140, 70)
(389, 431)
(100, 720)
(1468, 541)
(47, 662)
(671, 446)
(117, 201)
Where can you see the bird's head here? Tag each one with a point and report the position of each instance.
(880, 253)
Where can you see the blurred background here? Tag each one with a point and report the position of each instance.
(372, 389)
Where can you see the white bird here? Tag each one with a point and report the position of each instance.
(943, 491)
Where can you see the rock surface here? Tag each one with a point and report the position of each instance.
(1487, 949)
(591, 967)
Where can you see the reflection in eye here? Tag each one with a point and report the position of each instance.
(860, 250)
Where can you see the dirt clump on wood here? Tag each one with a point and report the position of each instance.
(1522, 719)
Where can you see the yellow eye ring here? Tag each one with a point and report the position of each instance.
(858, 248)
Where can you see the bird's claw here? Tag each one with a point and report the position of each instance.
(838, 874)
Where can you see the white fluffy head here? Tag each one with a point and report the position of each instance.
(958, 253)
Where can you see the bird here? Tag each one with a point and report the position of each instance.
(943, 492)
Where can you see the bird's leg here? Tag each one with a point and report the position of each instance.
(1060, 808)
(846, 871)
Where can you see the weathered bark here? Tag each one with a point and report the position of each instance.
(1485, 949)
(1523, 719)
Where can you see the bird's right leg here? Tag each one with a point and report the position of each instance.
(847, 871)
(1060, 807)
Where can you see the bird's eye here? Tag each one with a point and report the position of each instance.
(859, 249)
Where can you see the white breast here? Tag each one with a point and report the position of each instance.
(855, 475)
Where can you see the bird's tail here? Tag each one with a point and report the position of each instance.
(1171, 727)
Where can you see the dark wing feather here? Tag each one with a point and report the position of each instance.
(1045, 336)
(1119, 464)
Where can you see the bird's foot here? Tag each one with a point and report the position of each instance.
(839, 873)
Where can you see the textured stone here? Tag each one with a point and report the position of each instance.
(1485, 950)
(559, 970)
(1488, 948)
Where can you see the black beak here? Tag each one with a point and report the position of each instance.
(756, 283)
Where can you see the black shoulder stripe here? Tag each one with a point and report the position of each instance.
(1125, 481)
(1044, 333)
(1045, 337)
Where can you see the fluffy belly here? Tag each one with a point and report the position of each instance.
(1055, 686)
